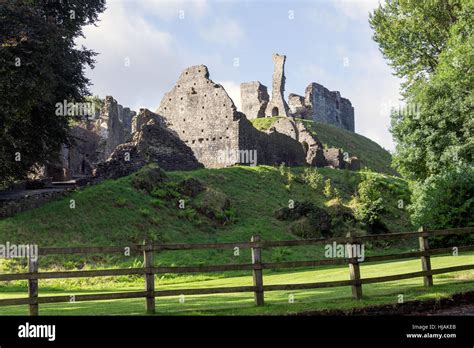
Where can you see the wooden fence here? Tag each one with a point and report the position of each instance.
(257, 266)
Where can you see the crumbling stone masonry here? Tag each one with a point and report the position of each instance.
(254, 97)
(312, 147)
(205, 118)
(329, 107)
(297, 106)
(152, 142)
(197, 124)
(319, 104)
(277, 105)
(110, 128)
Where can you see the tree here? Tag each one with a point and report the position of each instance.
(370, 204)
(40, 66)
(444, 201)
(430, 45)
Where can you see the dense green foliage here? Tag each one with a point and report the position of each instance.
(446, 201)
(40, 66)
(440, 201)
(370, 207)
(430, 44)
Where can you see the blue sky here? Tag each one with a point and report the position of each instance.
(145, 44)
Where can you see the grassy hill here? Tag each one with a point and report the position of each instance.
(116, 213)
(371, 154)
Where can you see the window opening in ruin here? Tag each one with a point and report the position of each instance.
(275, 111)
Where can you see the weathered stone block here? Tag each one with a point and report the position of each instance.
(254, 97)
(328, 107)
(353, 163)
(297, 106)
(334, 158)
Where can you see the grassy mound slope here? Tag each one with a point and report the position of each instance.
(371, 154)
(115, 213)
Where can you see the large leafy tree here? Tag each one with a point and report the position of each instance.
(40, 66)
(430, 44)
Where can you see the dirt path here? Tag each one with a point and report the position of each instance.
(457, 304)
(461, 310)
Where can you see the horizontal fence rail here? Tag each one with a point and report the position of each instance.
(257, 266)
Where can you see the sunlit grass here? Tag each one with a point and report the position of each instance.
(277, 302)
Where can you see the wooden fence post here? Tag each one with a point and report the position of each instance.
(425, 260)
(149, 262)
(354, 270)
(257, 273)
(33, 285)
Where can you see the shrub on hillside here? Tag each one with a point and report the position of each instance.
(443, 201)
(216, 206)
(149, 178)
(303, 228)
(370, 204)
(312, 178)
(296, 211)
(310, 221)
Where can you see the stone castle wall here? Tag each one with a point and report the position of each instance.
(198, 114)
(203, 116)
(255, 98)
(328, 107)
(318, 104)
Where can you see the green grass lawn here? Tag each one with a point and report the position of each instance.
(277, 302)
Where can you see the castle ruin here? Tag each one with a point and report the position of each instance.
(277, 105)
(198, 125)
(319, 104)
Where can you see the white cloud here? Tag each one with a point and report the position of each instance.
(223, 31)
(372, 95)
(169, 10)
(356, 9)
(233, 90)
(137, 63)
(315, 73)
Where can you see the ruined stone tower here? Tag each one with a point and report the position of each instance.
(277, 105)
(254, 97)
